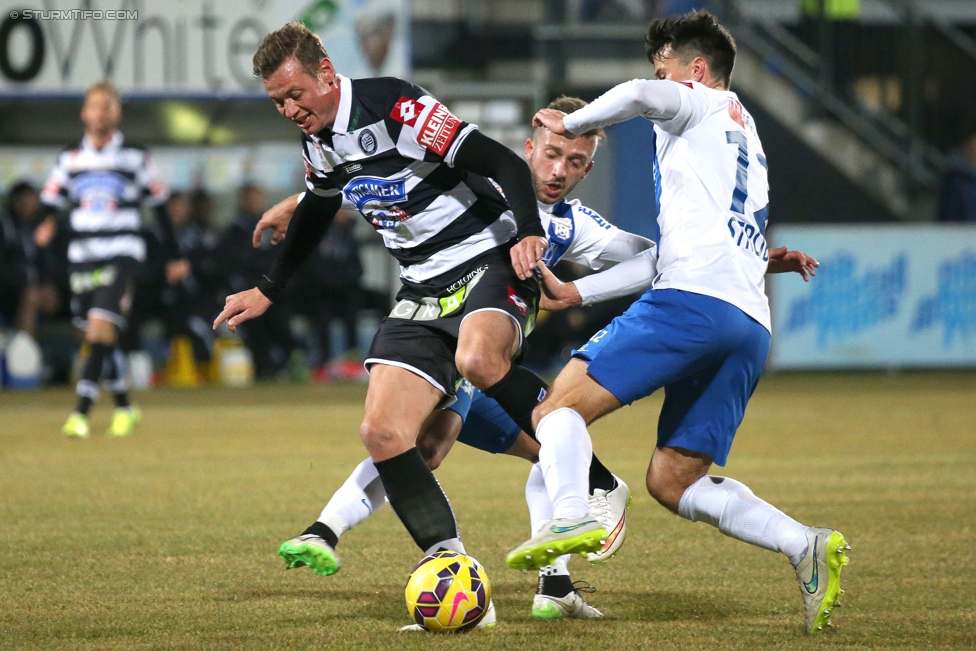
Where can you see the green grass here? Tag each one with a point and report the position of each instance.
(166, 539)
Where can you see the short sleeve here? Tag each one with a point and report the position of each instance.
(55, 192)
(592, 235)
(153, 187)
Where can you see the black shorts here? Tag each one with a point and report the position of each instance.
(421, 332)
(102, 290)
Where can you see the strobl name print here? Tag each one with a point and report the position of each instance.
(184, 47)
(884, 297)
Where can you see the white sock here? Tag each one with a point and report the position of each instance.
(355, 500)
(540, 512)
(537, 499)
(565, 461)
(733, 508)
(454, 544)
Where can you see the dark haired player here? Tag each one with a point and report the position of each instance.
(702, 330)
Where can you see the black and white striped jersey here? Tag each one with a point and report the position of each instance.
(390, 154)
(103, 189)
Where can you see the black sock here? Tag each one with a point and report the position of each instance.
(417, 499)
(518, 393)
(600, 477)
(115, 374)
(324, 532)
(90, 375)
(555, 585)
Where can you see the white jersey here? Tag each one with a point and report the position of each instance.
(575, 234)
(711, 185)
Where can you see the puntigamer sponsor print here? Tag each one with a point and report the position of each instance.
(884, 296)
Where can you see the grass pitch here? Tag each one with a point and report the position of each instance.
(167, 539)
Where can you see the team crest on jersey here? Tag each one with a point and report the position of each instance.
(406, 111)
(438, 129)
(561, 229)
(367, 142)
(517, 301)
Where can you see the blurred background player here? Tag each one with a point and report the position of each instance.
(701, 332)
(98, 186)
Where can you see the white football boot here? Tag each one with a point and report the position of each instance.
(610, 508)
(818, 574)
(570, 606)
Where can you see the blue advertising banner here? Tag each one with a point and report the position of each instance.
(884, 297)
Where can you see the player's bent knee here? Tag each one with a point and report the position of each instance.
(480, 369)
(665, 491)
(382, 441)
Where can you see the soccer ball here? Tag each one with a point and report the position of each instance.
(448, 592)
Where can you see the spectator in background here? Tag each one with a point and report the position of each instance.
(29, 285)
(269, 338)
(957, 191)
(332, 275)
(189, 306)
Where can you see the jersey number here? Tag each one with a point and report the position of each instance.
(749, 237)
(741, 172)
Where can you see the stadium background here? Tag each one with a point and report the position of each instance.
(867, 111)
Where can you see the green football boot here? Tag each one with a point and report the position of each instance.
(558, 537)
(124, 421)
(76, 426)
(310, 550)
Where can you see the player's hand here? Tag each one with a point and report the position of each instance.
(553, 120)
(45, 231)
(556, 295)
(526, 255)
(241, 307)
(782, 260)
(177, 270)
(276, 219)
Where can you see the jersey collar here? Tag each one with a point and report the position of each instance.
(114, 143)
(345, 105)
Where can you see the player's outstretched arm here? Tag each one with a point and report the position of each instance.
(309, 223)
(276, 219)
(657, 100)
(782, 260)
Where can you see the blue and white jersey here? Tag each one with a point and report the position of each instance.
(711, 185)
(575, 233)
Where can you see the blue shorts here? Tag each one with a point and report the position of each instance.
(486, 425)
(706, 353)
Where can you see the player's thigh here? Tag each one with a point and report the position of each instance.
(423, 350)
(488, 333)
(576, 389)
(398, 402)
(703, 411)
